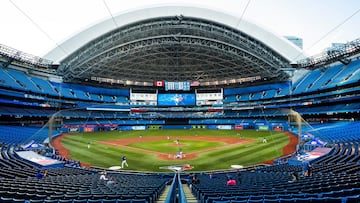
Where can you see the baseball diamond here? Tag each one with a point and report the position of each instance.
(215, 146)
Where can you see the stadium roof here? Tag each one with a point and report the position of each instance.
(175, 43)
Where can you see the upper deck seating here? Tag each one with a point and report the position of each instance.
(25, 80)
(7, 81)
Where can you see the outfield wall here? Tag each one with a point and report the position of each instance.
(277, 126)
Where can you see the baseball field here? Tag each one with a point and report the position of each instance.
(201, 148)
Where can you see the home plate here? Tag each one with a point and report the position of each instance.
(115, 167)
(237, 166)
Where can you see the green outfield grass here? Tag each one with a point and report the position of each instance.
(168, 146)
(244, 154)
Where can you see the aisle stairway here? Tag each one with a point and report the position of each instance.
(188, 194)
(163, 195)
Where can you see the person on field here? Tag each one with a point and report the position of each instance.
(124, 162)
(179, 155)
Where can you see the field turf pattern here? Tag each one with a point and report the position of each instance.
(243, 154)
(168, 146)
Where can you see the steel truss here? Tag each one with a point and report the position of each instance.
(174, 49)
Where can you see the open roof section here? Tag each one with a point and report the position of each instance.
(175, 43)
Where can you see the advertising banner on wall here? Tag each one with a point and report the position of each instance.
(220, 127)
(263, 127)
(154, 127)
(88, 130)
(224, 127)
(139, 127)
(278, 128)
(73, 130)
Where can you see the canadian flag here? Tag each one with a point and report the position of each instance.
(159, 84)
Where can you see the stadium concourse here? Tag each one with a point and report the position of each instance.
(180, 68)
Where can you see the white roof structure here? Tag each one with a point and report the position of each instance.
(277, 43)
(175, 43)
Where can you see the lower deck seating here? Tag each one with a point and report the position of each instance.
(275, 187)
(18, 183)
(335, 178)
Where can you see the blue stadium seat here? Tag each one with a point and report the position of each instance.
(7, 81)
(139, 201)
(271, 201)
(51, 201)
(25, 80)
(45, 86)
(124, 201)
(80, 201)
(95, 201)
(65, 201)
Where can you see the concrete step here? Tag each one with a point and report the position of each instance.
(188, 194)
(163, 195)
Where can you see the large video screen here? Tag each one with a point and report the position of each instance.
(176, 99)
(184, 86)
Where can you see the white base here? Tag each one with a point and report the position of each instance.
(237, 166)
(115, 168)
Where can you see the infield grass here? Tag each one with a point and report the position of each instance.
(243, 154)
(168, 146)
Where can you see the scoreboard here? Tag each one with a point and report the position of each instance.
(183, 86)
(178, 99)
